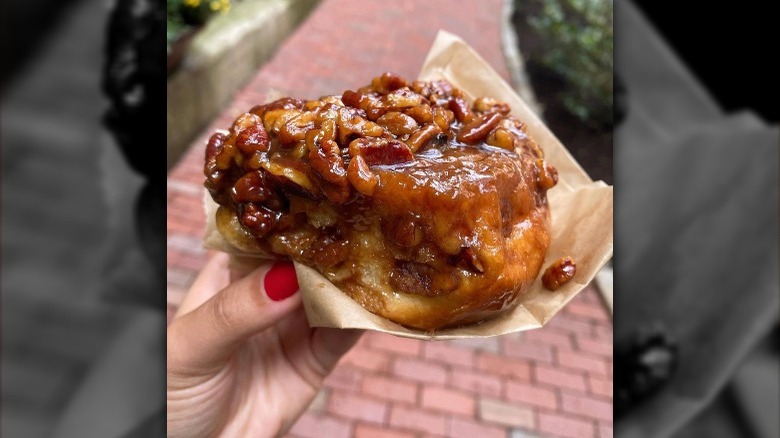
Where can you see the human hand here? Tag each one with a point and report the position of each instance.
(242, 359)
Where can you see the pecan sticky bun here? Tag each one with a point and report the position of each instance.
(427, 210)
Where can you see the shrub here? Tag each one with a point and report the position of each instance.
(577, 46)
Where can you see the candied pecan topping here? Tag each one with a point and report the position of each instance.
(479, 128)
(559, 273)
(458, 106)
(361, 176)
(250, 188)
(258, 219)
(380, 151)
(548, 175)
(252, 139)
(414, 160)
(327, 161)
(487, 104)
(422, 136)
(399, 124)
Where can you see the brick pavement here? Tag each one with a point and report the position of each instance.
(555, 381)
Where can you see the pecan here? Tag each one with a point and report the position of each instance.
(487, 104)
(422, 136)
(214, 145)
(547, 176)
(323, 104)
(361, 177)
(479, 128)
(522, 142)
(251, 187)
(527, 145)
(244, 121)
(298, 150)
(328, 130)
(501, 138)
(332, 100)
(273, 120)
(388, 82)
(253, 138)
(401, 98)
(355, 99)
(421, 114)
(258, 219)
(440, 92)
(289, 170)
(421, 87)
(225, 156)
(398, 123)
(296, 129)
(327, 162)
(462, 112)
(255, 161)
(443, 118)
(215, 177)
(313, 105)
(351, 124)
(380, 151)
(214, 148)
(285, 103)
(559, 273)
(328, 111)
(314, 137)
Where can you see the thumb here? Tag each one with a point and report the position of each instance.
(203, 339)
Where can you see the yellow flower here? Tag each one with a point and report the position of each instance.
(192, 3)
(215, 6)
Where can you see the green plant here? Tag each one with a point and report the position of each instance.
(578, 39)
(184, 14)
(197, 12)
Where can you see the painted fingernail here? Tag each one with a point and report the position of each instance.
(280, 281)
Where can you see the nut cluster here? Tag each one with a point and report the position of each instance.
(325, 148)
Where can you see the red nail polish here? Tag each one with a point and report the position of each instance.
(280, 281)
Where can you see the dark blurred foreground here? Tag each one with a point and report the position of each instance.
(82, 347)
(696, 267)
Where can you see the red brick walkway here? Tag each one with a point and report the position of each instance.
(555, 381)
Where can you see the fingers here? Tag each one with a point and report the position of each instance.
(205, 337)
(211, 279)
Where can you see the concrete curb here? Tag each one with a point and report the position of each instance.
(221, 59)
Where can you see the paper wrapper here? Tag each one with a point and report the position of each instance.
(581, 219)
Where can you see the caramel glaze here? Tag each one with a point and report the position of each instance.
(448, 234)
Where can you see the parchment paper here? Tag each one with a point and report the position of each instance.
(581, 218)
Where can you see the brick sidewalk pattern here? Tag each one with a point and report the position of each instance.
(551, 382)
